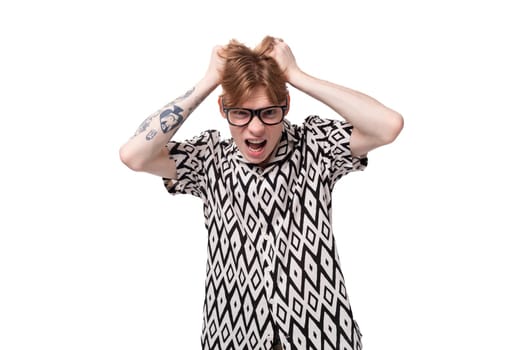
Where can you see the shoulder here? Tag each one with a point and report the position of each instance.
(206, 140)
(317, 129)
(316, 123)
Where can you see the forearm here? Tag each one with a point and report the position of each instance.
(154, 133)
(365, 113)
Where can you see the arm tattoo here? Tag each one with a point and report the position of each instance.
(171, 118)
(151, 134)
(145, 124)
(188, 93)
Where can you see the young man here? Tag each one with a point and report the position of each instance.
(273, 276)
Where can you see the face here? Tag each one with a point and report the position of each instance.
(256, 141)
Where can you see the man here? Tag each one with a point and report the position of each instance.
(273, 276)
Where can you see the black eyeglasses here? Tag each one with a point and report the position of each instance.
(271, 115)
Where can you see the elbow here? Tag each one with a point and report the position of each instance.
(393, 128)
(130, 159)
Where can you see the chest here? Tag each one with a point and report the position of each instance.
(296, 188)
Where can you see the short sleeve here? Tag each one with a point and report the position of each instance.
(190, 157)
(334, 138)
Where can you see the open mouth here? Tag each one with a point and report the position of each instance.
(255, 145)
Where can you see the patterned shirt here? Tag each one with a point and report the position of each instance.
(273, 271)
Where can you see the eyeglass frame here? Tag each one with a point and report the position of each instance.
(254, 112)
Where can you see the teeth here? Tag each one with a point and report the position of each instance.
(256, 142)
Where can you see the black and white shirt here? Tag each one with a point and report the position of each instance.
(273, 271)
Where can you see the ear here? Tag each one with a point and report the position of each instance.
(288, 103)
(219, 101)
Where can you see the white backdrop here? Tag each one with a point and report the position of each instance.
(95, 256)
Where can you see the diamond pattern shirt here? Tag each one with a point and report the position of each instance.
(273, 273)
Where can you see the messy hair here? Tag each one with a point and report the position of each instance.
(246, 69)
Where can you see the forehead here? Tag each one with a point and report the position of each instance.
(257, 99)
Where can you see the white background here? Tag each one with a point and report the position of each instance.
(95, 256)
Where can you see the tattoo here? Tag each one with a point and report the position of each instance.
(170, 118)
(145, 124)
(188, 93)
(151, 134)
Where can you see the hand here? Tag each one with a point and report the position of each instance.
(216, 65)
(285, 59)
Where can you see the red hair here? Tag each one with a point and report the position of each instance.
(246, 69)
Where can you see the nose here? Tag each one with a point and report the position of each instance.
(256, 126)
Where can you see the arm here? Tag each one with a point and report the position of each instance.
(374, 124)
(146, 150)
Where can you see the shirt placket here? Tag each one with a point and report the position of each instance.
(267, 248)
